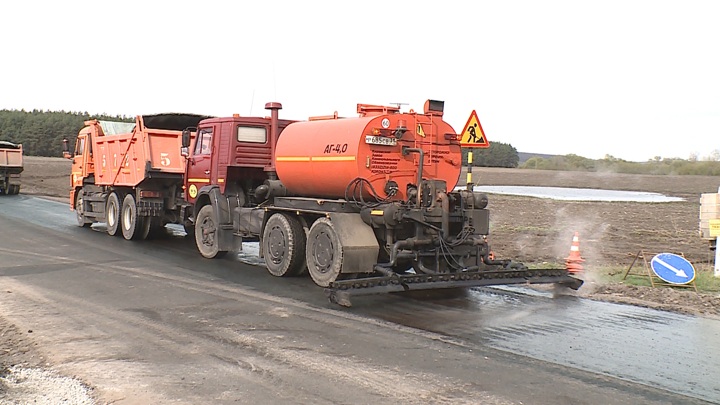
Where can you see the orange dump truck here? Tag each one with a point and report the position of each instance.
(11, 165)
(130, 175)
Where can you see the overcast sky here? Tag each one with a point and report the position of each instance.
(630, 79)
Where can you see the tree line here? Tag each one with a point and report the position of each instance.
(657, 165)
(41, 132)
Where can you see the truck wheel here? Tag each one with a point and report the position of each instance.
(324, 252)
(112, 214)
(154, 228)
(14, 189)
(132, 225)
(79, 210)
(284, 246)
(206, 237)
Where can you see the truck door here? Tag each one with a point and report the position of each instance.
(82, 164)
(199, 164)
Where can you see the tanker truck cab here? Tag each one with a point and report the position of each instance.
(229, 160)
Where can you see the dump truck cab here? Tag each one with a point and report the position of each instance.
(83, 166)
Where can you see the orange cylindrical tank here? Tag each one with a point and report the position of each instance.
(322, 158)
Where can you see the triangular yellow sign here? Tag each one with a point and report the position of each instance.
(473, 135)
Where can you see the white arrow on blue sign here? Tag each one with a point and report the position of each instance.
(672, 268)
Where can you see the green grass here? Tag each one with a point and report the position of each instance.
(704, 277)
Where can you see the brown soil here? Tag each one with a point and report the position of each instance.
(539, 232)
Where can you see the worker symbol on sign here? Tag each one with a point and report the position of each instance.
(473, 135)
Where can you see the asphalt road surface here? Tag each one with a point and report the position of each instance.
(154, 322)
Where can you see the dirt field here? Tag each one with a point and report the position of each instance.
(537, 231)
(534, 231)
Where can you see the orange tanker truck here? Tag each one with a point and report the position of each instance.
(364, 205)
(11, 165)
(130, 175)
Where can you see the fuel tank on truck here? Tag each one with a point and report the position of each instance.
(324, 156)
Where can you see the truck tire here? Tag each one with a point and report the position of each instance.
(153, 228)
(14, 189)
(206, 237)
(132, 225)
(284, 246)
(79, 211)
(112, 214)
(324, 253)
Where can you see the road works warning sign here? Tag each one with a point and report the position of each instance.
(473, 135)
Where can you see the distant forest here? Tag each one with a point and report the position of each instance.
(41, 134)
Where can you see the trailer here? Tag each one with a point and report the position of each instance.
(11, 165)
(130, 175)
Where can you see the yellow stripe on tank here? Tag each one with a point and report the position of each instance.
(292, 158)
(333, 158)
(315, 158)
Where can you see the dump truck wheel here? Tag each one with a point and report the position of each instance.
(132, 225)
(14, 189)
(154, 228)
(79, 210)
(284, 246)
(112, 214)
(145, 228)
(324, 253)
(206, 237)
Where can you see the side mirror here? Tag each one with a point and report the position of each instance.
(186, 139)
(66, 149)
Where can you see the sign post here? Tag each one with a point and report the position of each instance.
(472, 136)
(714, 225)
(717, 260)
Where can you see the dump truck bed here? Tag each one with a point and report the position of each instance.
(126, 154)
(11, 157)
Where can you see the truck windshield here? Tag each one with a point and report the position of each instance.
(80, 146)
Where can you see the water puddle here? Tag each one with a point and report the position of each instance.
(578, 194)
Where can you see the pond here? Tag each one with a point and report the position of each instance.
(578, 194)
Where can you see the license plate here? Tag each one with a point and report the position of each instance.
(380, 140)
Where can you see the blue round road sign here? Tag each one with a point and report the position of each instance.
(672, 268)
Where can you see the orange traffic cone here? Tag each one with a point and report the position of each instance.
(574, 260)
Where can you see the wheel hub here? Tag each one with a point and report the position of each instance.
(208, 232)
(277, 246)
(323, 252)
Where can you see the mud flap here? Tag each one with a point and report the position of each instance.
(360, 246)
(221, 208)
